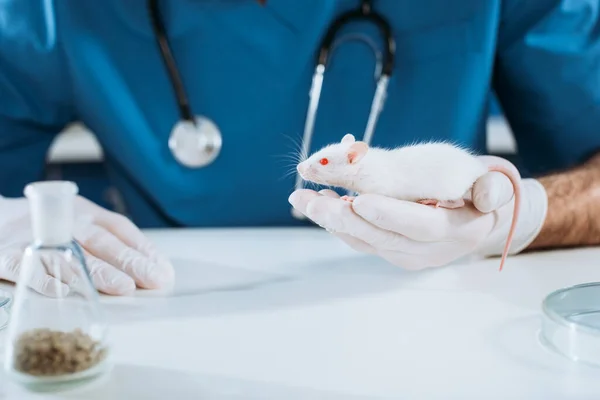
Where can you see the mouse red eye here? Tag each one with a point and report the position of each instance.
(324, 161)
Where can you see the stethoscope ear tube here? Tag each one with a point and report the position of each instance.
(365, 12)
(169, 61)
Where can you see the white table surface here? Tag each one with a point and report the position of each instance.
(295, 314)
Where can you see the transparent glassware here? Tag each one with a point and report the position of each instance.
(55, 341)
(5, 304)
(571, 322)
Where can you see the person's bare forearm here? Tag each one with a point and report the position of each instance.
(573, 217)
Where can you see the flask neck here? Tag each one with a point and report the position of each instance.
(51, 229)
(39, 240)
(51, 210)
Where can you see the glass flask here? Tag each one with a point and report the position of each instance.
(55, 340)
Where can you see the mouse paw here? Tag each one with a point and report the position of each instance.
(429, 202)
(442, 203)
(452, 203)
(349, 199)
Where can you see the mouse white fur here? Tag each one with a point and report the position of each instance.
(436, 173)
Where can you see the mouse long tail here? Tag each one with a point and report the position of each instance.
(515, 179)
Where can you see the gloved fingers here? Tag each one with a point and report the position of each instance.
(11, 262)
(337, 216)
(124, 229)
(494, 189)
(105, 277)
(424, 224)
(108, 279)
(105, 246)
(434, 253)
(437, 254)
(329, 193)
(46, 284)
(300, 198)
(416, 221)
(60, 268)
(356, 244)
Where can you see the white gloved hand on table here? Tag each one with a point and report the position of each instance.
(118, 254)
(415, 236)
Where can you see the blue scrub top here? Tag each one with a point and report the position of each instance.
(249, 69)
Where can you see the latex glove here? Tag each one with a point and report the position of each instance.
(415, 236)
(118, 254)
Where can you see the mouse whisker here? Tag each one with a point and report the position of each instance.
(288, 163)
(289, 173)
(297, 146)
(290, 168)
(293, 158)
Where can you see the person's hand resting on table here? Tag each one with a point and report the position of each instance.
(118, 254)
(416, 236)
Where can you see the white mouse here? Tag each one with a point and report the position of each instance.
(436, 173)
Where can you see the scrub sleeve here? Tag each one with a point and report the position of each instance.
(547, 80)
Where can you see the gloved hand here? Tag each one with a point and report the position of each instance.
(415, 236)
(118, 255)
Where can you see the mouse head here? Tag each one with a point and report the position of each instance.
(335, 163)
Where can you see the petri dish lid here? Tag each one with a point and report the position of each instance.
(571, 322)
(5, 303)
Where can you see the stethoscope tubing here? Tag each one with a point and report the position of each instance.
(169, 61)
(365, 12)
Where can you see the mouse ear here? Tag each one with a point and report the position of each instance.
(348, 139)
(357, 151)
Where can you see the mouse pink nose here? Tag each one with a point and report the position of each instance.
(301, 168)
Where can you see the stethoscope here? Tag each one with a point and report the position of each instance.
(385, 68)
(196, 141)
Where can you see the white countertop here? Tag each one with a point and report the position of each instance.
(248, 321)
(78, 144)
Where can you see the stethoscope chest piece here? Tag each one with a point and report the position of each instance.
(195, 145)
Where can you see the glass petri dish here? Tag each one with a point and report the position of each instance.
(5, 303)
(571, 322)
